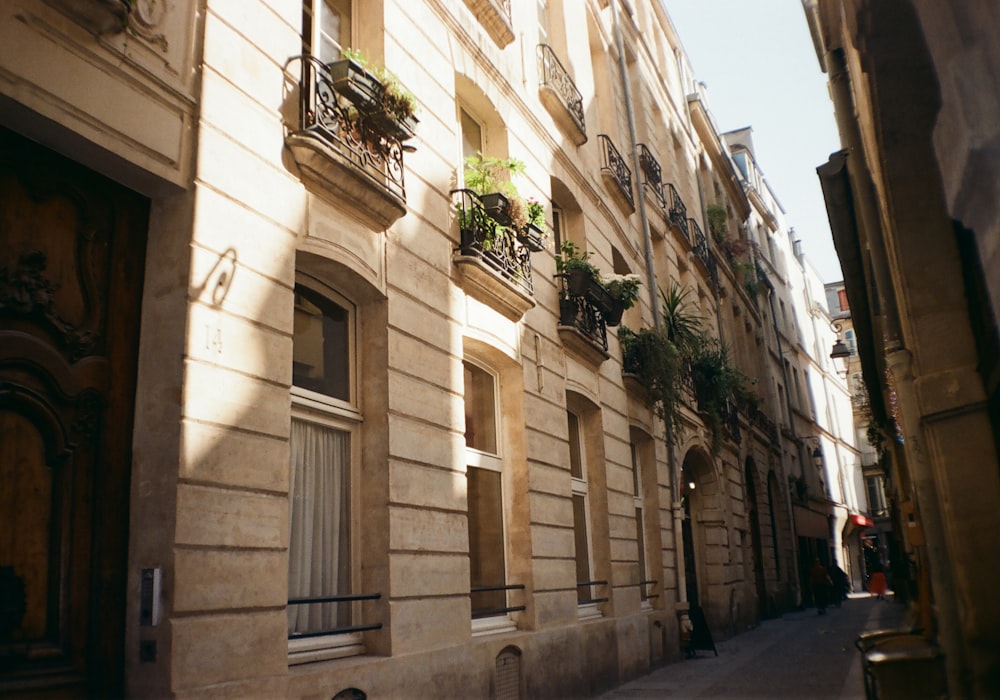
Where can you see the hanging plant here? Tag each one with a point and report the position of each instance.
(658, 364)
(716, 383)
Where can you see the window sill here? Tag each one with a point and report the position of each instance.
(305, 651)
(588, 611)
(486, 626)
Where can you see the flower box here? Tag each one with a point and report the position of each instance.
(531, 238)
(577, 282)
(351, 80)
(497, 206)
(392, 126)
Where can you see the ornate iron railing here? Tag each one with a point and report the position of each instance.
(652, 174)
(677, 213)
(614, 165)
(329, 115)
(496, 245)
(759, 420)
(555, 77)
(578, 312)
(699, 243)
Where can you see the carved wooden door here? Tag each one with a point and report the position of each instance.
(71, 258)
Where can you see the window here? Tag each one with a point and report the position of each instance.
(852, 344)
(876, 495)
(581, 514)
(487, 567)
(842, 300)
(543, 21)
(472, 135)
(323, 444)
(557, 226)
(326, 28)
(639, 522)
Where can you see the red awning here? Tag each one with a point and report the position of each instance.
(862, 520)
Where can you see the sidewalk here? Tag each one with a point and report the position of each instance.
(799, 655)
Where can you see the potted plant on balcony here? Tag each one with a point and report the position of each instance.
(573, 263)
(376, 94)
(716, 383)
(623, 291)
(532, 233)
(656, 363)
(489, 177)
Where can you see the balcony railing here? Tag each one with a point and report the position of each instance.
(496, 245)
(490, 601)
(699, 243)
(578, 312)
(759, 420)
(554, 78)
(677, 213)
(651, 175)
(328, 113)
(614, 167)
(339, 628)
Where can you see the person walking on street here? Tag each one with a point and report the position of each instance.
(819, 581)
(877, 584)
(841, 584)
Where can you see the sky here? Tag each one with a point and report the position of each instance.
(758, 61)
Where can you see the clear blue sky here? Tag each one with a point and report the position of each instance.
(758, 61)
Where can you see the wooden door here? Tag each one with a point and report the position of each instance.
(71, 259)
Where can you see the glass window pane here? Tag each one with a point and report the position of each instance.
(319, 546)
(641, 542)
(321, 345)
(582, 547)
(480, 410)
(334, 29)
(575, 449)
(486, 550)
(472, 135)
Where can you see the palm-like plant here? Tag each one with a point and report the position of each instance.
(682, 328)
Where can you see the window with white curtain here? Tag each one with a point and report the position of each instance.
(323, 444)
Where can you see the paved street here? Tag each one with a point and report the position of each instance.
(800, 655)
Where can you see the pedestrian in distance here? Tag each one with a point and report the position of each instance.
(821, 584)
(877, 584)
(841, 584)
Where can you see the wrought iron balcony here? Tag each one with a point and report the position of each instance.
(699, 244)
(342, 140)
(580, 313)
(559, 93)
(651, 175)
(613, 167)
(677, 213)
(497, 246)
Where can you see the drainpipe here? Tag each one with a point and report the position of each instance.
(654, 303)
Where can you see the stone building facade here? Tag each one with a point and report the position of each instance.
(912, 205)
(287, 412)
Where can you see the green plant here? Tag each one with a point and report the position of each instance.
(572, 257)
(397, 101)
(625, 288)
(682, 327)
(486, 174)
(536, 213)
(716, 383)
(656, 361)
(717, 222)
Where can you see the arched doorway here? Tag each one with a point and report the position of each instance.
(753, 516)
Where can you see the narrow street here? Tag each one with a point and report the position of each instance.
(799, 655)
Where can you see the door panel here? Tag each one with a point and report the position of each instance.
(72, 248)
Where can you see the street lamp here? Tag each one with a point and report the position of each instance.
(841, 352)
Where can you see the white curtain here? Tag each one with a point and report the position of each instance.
(318, 562)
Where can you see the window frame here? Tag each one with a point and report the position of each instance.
(330, 412)
(312, 13)
(580, 488)
(495, 462)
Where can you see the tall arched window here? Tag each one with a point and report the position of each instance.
(326, 419)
